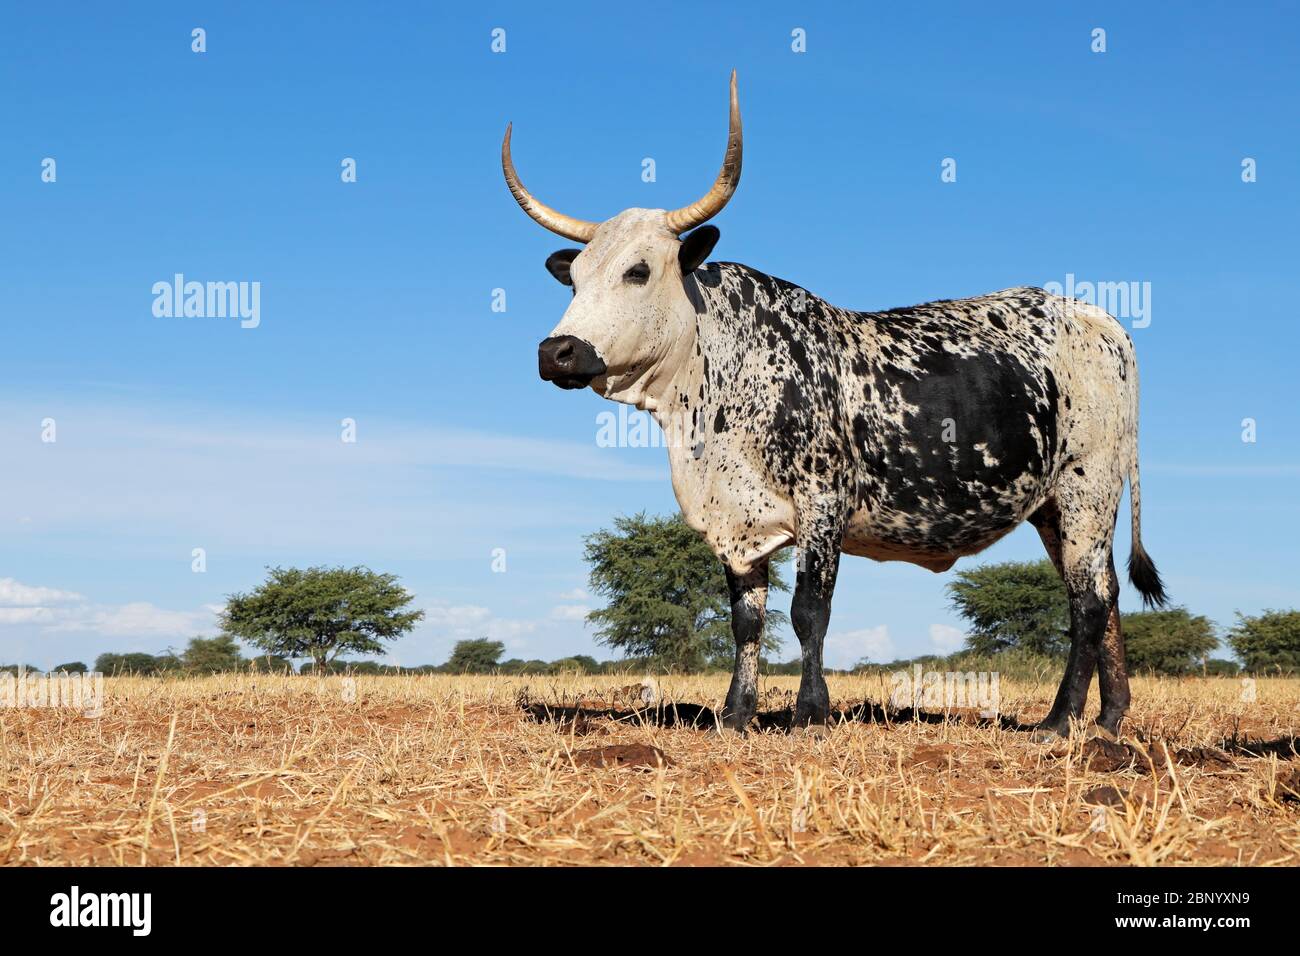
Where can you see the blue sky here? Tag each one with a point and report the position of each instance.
(179, 433)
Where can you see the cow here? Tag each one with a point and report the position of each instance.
(919, 434)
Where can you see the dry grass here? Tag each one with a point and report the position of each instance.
(277, 770)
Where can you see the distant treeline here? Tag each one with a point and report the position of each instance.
(221, 655)
(1023, 665)
(668, 612)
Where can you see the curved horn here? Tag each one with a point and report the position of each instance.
(688, 217)
(579, 230)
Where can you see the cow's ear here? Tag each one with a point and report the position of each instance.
(557, 264)
(696, 247)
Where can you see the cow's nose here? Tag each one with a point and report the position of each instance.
(568, 361)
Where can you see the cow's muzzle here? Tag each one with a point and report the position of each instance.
(568, 361)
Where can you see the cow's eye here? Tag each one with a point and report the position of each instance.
(639, 274)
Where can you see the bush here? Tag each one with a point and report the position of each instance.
(1268, 642)
(356, 668)
(15, 668)
(269, 664)
(578, 664)
(478, 656)
(138, 664)
(667, 595)
(1013, 605)
(780, 668)
(215, 655)
(1014, 664)
(1172, 641)
(1218, 667)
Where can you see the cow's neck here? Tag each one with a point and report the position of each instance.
(715, 333)
(656, 386)
(712, 340)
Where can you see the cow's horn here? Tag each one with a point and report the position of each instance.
(688, 217)
(579, 230)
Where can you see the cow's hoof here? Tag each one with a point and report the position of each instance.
(1111, 723)
(1098, 732)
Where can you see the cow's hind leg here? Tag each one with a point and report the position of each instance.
(1077, 531)
(1081, 661)
(1112, 671)
(810, 612)
(748, 611)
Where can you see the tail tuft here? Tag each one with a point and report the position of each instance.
(1142, 572)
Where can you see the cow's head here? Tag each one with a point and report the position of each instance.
(630, 305)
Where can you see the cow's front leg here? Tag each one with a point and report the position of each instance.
(748, 612)
(810, 612)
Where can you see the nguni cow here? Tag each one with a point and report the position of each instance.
(919, 434)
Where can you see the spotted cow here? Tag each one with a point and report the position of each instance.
(919, 434)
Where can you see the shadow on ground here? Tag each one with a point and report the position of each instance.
(697, 716)
(583, 718)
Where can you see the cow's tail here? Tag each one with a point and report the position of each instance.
(1141, 569)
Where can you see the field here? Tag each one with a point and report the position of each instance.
(274, 770)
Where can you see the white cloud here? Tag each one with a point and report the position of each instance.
(946, 639)
(57, 611)
(464, 621)
(570, 612)
(172, 480)
(481, 450)
(577, 594)
(509, 630)
(846, 648)
(14, 594)
(24, 615)
(456, 618)
(136, 619)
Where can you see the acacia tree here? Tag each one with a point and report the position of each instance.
(1267, 642)
(1172, 641)
(1018, 604)
(320, 613)
(667, 593)
(212, 655)
(477, 656)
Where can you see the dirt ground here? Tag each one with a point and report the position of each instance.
(457, 770)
